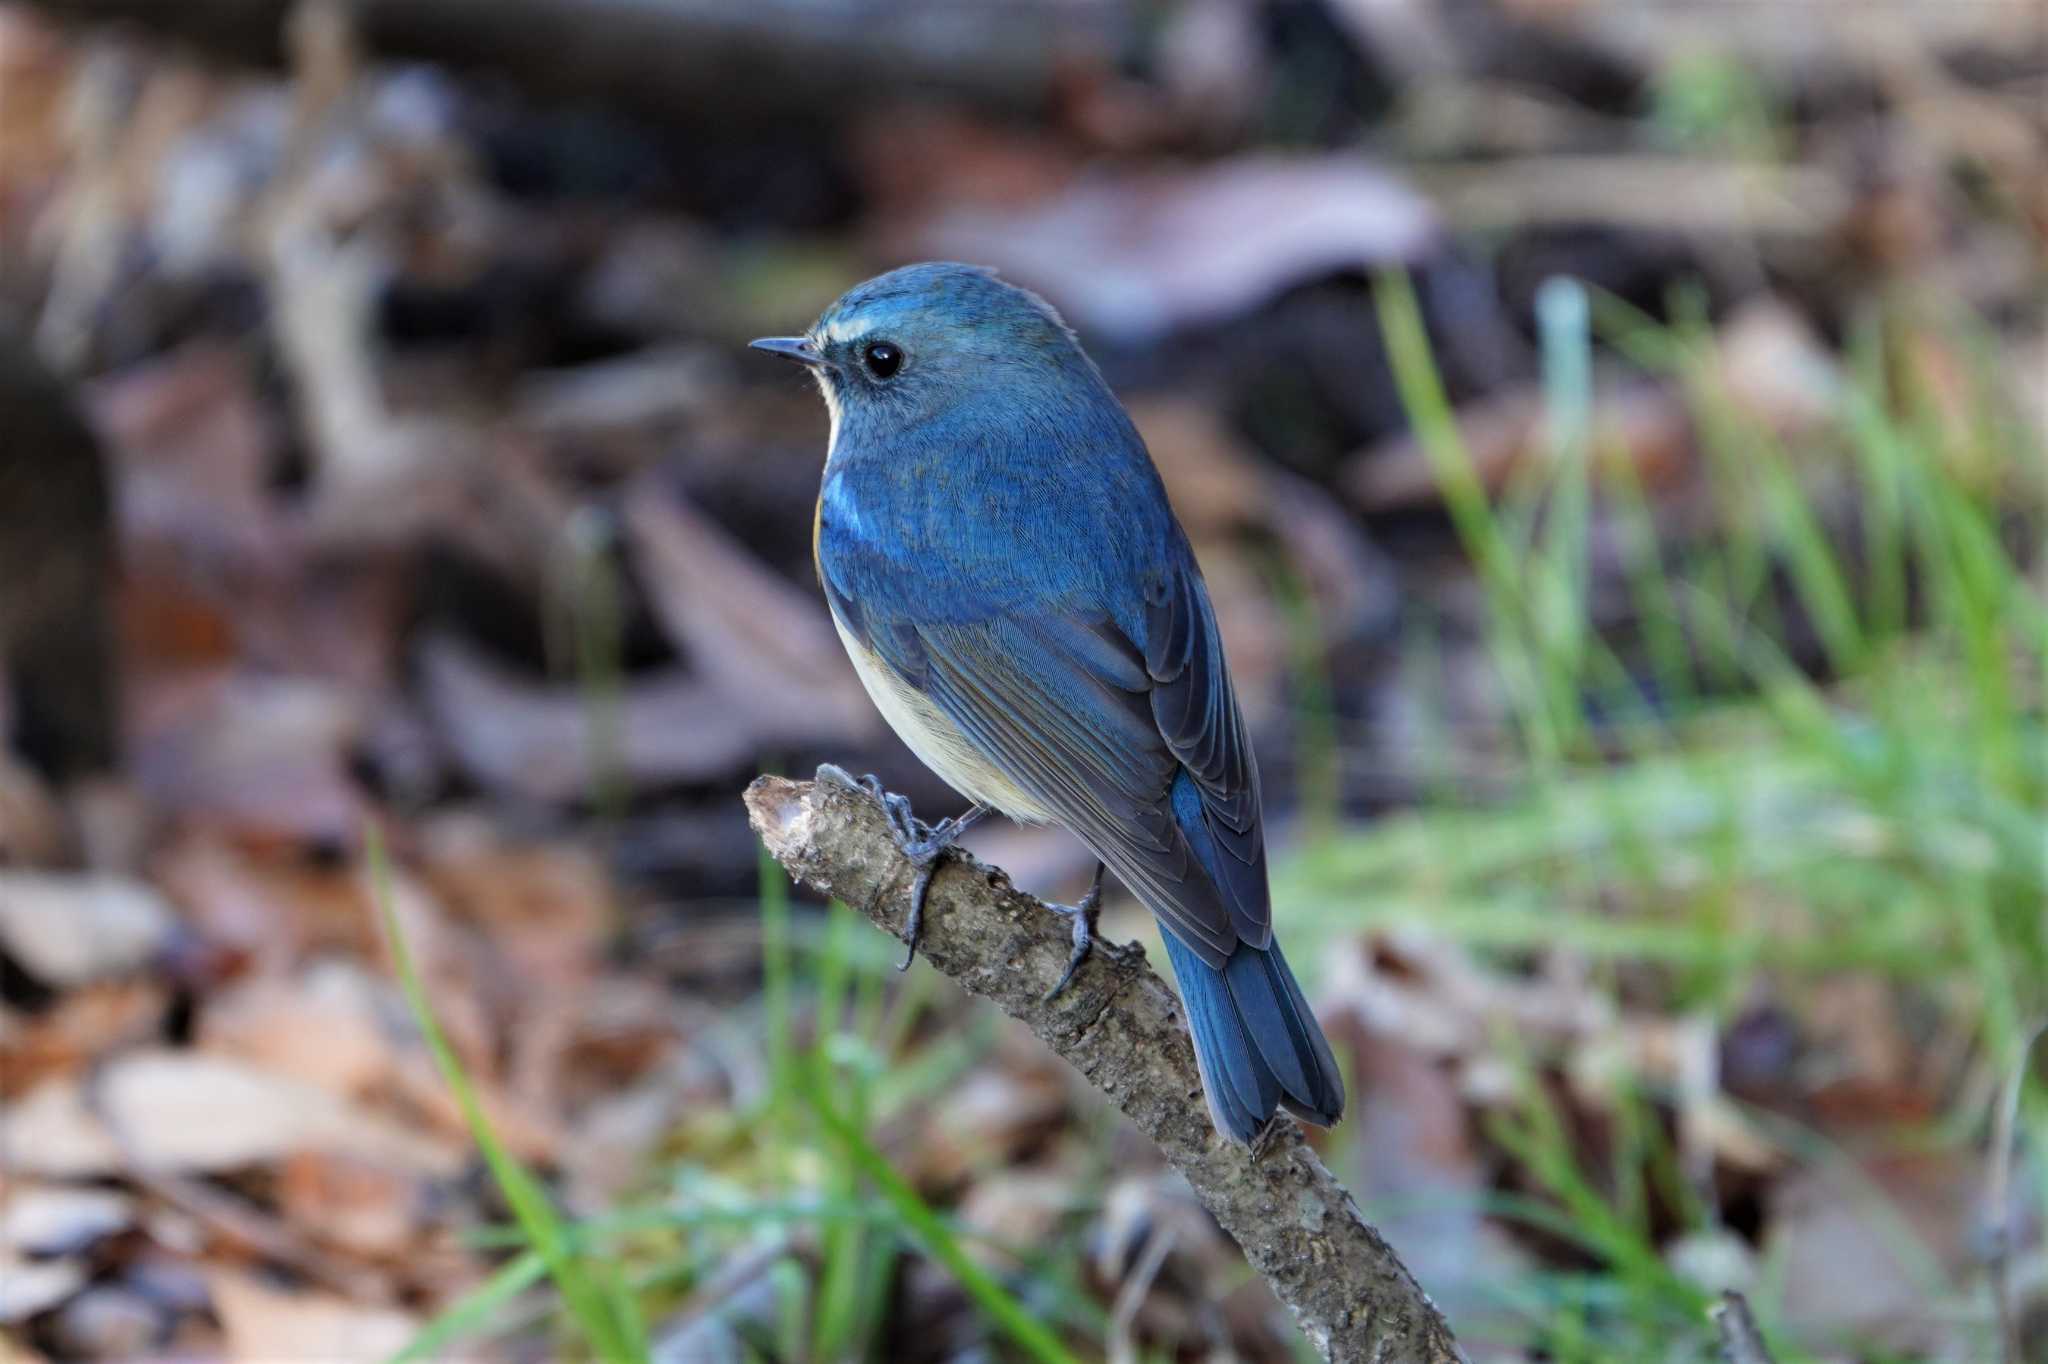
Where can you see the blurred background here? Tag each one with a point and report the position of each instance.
(1613, 434)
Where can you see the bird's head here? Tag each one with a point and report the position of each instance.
(920, 341)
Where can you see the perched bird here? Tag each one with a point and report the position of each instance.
(1016, 594)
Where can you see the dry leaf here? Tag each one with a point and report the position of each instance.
(540, 742)
(265, 753)
(323, 1027)
(182, 1112)
(51, 1132)
(767, 645)
(1643, 425)
(108, 1322)
(266, 1324)
(195, 448)
(359, 1205)
(549, 907)
(982, 1122)
(28, 1287)
(82, 1026)
(1880, 1255)
(44, 1220)
(1135, 255)
(31, 825)
(68, 930)
(1776, 369)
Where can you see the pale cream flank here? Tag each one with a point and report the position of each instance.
(936, 740)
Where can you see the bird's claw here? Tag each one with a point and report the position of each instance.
(921, 844)
(1082, 912)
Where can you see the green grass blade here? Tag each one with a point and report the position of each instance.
(471, 1315)
(938, 1241)
(587, 1303)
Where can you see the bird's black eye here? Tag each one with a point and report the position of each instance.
(882, 359)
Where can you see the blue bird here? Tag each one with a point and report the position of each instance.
(1013, 588)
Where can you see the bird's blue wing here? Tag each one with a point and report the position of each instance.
(1099, 727)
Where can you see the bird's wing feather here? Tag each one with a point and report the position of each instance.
(1098, 727)
(1195, 709)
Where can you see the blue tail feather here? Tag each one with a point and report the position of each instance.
(1258, 1044)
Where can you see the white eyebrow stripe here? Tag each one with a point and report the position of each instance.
(838, 331)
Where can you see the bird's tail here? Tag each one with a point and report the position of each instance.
(1259, 1046)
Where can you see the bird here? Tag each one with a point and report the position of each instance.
(1008, 577)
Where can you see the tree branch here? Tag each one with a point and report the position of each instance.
(1120, 1025)
(1741, 1341)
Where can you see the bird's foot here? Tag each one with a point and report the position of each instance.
(921, 844)
(1083, 912)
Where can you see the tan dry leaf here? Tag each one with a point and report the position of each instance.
(31, 825)
(537, 741)
(265, 754)
(265, 1324)
(1136, 254)
(547, 906)
(1881, 1255)
(28, 1287)
(986, 1120)
(322, 1027)
(43, 1220)
(1643, 425)
(1012, 1208)
(66, 930)
(767, 645)
(82, 1026)
(1215, 483)
(52, 1132)
(187, 1112)
(1776, 369)
(362, 1206)
(194, 444)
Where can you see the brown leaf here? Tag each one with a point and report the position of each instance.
(1642, 425)
(1137, 254)
(767, 646)
(362, 1206)
(985, 1120)
(31, 825)
(41, 1220)
(68, 930)
(1880, 1255)
(52, 1132)
(1775, 368)
(539, 741)
(82, 1026)
(1415, 1147)
(181, 1112)
(266, 1324)
(549, 906)
(264, 753)
(194, 446)
(324, 1026)
(28, 1287)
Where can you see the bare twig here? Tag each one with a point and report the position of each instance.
(1998, 1198)
(1741, 1342)
(1120, 1025)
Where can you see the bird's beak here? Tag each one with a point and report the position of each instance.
(795, 348)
